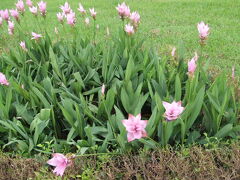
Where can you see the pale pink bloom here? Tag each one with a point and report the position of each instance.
(123, 10)
(3, 79)
(173, 52)
(11, 27)
(129, 29)
(233, 72)
(66, 8)
(93, 13)
(1, 21)
(135, 127)
(20, 6)
(60, 162)
(135, 18)
(29, 3)
(87, 21)
(42, 8)
(5, 14)
(60, 17)
(81, 9)
(36, 36)
(192, 64)
(173, 110)
(14, 13)
(33, 10)
(56, 30)
(23, 45)
(103, 89)
(203, 30)
(71, 19)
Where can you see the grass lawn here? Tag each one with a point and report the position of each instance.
(165, 23)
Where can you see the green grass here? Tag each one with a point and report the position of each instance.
(164, 23)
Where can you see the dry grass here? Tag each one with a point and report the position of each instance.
(191, 163)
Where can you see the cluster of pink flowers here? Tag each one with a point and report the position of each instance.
(70, 16)
(134, 17)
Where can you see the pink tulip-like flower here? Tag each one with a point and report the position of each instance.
(192, 65)
(66, 8)
(42, 8)
(203, 30)
(14, 13)
(93, 13)
(173, 110)
(71, 19)
(33, 10)
(60, 17)
(23, 45)
(29, 3)
(3, 80)
(135, 18)
(5, 14)
(60, 162)
(103, 89)
(10, 27)
(20, 6)
(135, 127)
(123, 10)
(129, 29)
(173, 52)
(36, 36)
(81, 9)
(233, 72)
(87, 21)
(1, 21)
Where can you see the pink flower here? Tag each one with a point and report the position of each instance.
(192, 65)
(42, 7)
(203, 30)
(3, 80)
(33, 10)
(81, 9)
(29, 3)
(23, 45)
(60, 17)
(135, 18)
(123, 10)
(173, 51)
(129, 29)
(60, 162)
(1, 21)
(93, 13)
(103, 89)
(71, 19)
(20, 6)
(11, 27)
(14, 13)
(173, 110)
(135, 127)
(5, 15)
(36, 36)
(87, 21)
(66, 8)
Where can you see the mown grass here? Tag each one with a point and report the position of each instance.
(165, 23)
